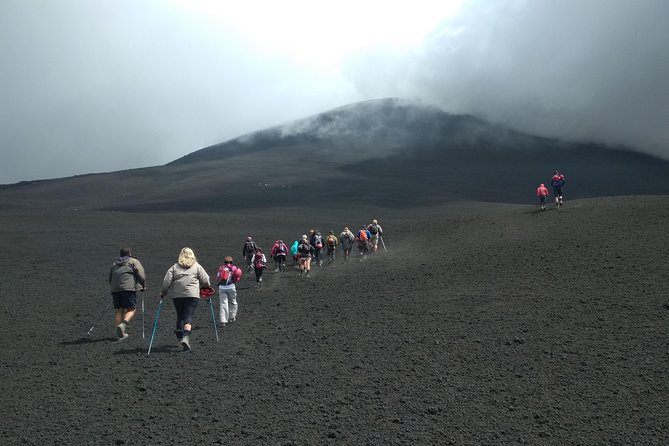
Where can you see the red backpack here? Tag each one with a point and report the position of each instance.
(227, 275)
(258, 261)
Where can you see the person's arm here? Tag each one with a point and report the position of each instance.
(140, 274)
(167, 282)
(202, 276)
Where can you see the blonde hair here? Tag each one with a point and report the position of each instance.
(187, 258)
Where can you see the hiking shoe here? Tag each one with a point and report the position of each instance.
(185, 343)
(120, 330)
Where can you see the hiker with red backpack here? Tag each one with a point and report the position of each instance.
(363, 241)
(305, 252)
(226, 277)
(259, 262)
(331, 243)
(346, 238)
(278, 253)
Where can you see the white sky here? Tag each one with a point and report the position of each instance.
(97, 85)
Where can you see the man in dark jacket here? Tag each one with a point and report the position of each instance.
(126, 277)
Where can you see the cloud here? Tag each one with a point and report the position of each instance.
(595, 70)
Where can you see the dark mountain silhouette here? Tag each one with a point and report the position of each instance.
(387, 152)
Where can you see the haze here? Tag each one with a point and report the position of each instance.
(91, 86)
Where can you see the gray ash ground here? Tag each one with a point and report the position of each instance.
(481, 324)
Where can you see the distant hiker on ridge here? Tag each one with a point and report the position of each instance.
(278, 253)
(259, 261)
(346, 238)
(363, 241)
(376, 231)
(183, 282)
(305, 251)
(296, 255)
(248, 251)
(542, 193)
(331, 243)
(557, 182)
(126, 277)
(317, 242)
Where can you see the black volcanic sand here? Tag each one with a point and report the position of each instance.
(481, 324)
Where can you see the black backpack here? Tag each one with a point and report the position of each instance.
(250, 247)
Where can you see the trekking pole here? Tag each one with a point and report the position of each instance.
(143, 320)
(155, 325)
(98, 320)
(383, 243)
(213, 317)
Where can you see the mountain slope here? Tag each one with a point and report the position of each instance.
(384, 153)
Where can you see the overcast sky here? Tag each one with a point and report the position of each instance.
(98, 85)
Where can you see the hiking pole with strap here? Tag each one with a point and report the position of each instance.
(155, 325)
(143, 322)
(383, 243)
(213, 317)
(207, 293)
(98, 320)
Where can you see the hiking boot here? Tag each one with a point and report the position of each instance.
(120, 329)
(185, 343)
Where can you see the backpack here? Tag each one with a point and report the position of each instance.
(362, 235)
(374, 229)
(226, 276)
(318, 242)
(281, 249)
(332, 241)
(258, 261)
(250, 247)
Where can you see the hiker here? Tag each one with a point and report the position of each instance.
(375, 232)
(542, 193)
(248, 251)
(278, 253)
(305, 252)
(295, 253)
(346, 238)
(316, 241)
(227, 276)
(331, 243)
(259, 261)
(557, 182)
(183, 282)
(363, 240)
(126, 277)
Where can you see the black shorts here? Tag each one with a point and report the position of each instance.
(557, 191)
(125, 299)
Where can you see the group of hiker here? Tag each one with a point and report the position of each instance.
(557, 183)
(187, 281)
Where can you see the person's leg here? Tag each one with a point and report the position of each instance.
(307, 265)
(128, 302)
(233, 304)
(223, 310)
(189, 306)
(178, 308)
